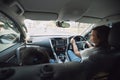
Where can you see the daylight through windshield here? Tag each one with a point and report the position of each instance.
(37, 28)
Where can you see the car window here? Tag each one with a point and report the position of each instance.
(9, 34)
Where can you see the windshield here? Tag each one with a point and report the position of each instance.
(45, 28)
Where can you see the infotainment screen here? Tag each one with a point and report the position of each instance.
(60, 42)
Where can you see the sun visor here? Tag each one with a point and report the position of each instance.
(40, 16)
(87, 19)
(113, 18)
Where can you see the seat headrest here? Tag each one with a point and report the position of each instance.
(114, 37)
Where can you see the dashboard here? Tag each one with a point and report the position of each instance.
(56, 46)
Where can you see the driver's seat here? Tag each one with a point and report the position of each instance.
(113, 71)
(105, 65)
(114, 41)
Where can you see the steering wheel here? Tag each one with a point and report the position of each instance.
(80, 42)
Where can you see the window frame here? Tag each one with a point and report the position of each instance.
(17, 31)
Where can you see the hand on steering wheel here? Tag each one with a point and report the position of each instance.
(80, 42)
(72, 41)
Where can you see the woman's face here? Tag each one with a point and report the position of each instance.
(94, 38)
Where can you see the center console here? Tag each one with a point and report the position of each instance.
(59, 47)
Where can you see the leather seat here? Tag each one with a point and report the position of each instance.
(114, 41)
(105, 65)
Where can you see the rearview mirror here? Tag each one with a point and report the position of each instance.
(62, 24)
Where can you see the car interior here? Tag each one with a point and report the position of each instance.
(25, 56)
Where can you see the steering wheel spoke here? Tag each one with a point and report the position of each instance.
(80, 42)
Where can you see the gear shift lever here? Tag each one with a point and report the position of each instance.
(62, 58)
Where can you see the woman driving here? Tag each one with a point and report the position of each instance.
(99, 37)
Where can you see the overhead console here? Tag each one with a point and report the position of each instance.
(59, 47)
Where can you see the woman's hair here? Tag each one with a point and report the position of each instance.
(102, 33)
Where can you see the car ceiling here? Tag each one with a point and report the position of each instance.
(75, 10)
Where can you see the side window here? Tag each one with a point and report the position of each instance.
(9, 34)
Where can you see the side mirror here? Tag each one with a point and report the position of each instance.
(8, 38)
(62, 24)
